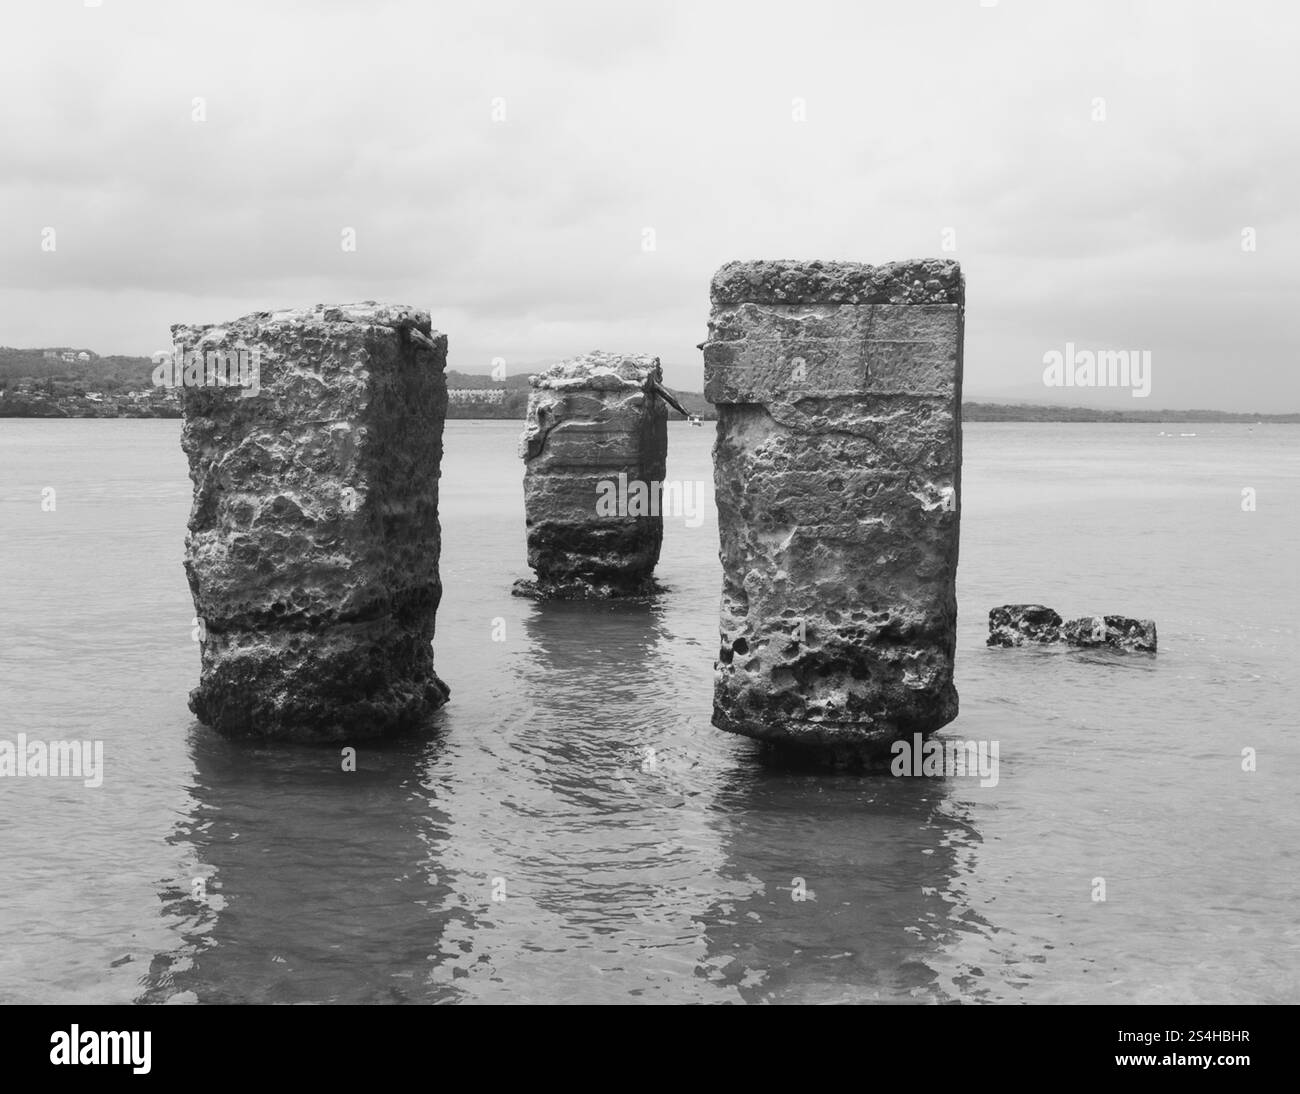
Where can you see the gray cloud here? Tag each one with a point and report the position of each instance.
(523, 237)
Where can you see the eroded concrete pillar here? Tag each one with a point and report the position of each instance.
(594, 444)
(313, 542)
(837, 470)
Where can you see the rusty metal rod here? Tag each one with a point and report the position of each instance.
(662, 392)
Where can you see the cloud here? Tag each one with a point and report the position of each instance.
(525, 235)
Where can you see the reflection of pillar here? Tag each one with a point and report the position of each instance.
(313, 540)
(852, 892)
(594, 446)
(307, 881)
(837, 470)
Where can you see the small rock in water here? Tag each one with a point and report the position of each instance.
(1117, 631)
(1016, 624)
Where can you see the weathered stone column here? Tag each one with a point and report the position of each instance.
(595, 445)
(313, 540)
(837, 470)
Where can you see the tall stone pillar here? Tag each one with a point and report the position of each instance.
(595, 445)
(314, 439)
(837, 471)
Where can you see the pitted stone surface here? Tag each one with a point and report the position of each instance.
(313, 542)
(1116, 631)
(1029, 624)
(1016, 624)
(837, 471)
(789, 281)
(590, 420)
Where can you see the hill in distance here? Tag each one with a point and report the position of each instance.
(49, 370)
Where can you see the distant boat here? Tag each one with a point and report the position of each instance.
(694, 419)
(1187, 434)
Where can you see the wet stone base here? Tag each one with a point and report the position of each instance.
(587, 589)
(822, 744)
(317, 687)
(592, 559)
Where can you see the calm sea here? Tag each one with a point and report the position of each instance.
(576, 831)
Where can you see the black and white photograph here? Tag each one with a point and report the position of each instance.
(578, 503)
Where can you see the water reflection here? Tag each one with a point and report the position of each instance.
(592, 815)
(854, 888)
(596, 840)
(303, 882)
(595, 677)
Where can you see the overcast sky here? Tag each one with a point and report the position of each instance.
(525, 238)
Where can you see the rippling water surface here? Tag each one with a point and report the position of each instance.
(575, 830)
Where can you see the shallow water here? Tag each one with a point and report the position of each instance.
(577, 831)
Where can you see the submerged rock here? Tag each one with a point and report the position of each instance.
(1016, 624)
(595, 444)
(313, 543)
(1117, 631)
(837, 471)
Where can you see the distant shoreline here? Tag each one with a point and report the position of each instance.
(1015, 412)
(66, 382)
(66, 407)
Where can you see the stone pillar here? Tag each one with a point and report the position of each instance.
(837, 470)
(313, 540)
(594, 445)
